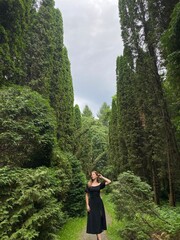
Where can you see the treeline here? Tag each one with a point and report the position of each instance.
(144, 122)
(41, 180)
(91, 139)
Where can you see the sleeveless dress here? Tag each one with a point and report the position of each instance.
(96, 219)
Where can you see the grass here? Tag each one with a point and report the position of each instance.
(72, 229)
(112, 231)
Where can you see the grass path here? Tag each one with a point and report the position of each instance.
(75, 229)
(72, 229)
(85, 236)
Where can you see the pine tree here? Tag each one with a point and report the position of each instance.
(87, 112)
(103, 114)
(40, 48)
(141, 42)
(14, 22)
(116, 156)
(77, 118)
(64, 107)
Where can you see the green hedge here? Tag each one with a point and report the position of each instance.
(28, 128)
(31, 202)
(141, 219)
(75, 202)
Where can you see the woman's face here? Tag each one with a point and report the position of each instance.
(93, 176)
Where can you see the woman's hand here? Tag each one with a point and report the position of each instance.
(107, 181)
(88, 208)
(100, 175)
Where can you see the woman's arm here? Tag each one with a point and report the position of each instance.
(87, 202)
(107, 181)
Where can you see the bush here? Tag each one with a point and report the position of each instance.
(75, 202)
(31, 202)
(28, 127)
(141, 218)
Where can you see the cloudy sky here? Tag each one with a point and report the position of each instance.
(93, 38)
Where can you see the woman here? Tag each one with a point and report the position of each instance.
(96, 221)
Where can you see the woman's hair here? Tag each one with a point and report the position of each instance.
(90, 181)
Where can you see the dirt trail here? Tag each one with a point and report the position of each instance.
(85, 236)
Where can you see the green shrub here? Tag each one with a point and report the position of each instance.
(75, 202)
(135, 208)
(31, 202)
(28, 127)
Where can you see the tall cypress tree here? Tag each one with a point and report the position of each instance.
(87, 112)
(103, 114)
(14, 22)
(139, 35)
(115, 157)
(130, 127)
(39, 49)
(77, 117)
(48, 68)
(34, 55)
(64, 107)
(77, 129)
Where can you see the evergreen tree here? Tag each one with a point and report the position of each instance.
(171, 50)
(75, 204)
(91, 148)
(6, 63)
(14, 22)
(77, 128)
(142, 132)
(77, 118)
(32, 202)
(64, 107)
(103, 114)
(39, 49)
(171, 47)
(28, 128)
(129, 124)
(87, 112)
(115, 154)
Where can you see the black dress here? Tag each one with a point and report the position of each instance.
(96, 219)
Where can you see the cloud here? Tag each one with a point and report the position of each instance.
(93, 39)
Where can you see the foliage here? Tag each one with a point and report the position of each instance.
(173, 101)
(28, 128)
(92, 148)
(87, 112)
(39, 48)
(37, 130)
(141, 134)
(142, 219)
(33, 54)
(31, 202)
(77, 117)
(60, 159)
(115, 225)
(64, 105)
(14, 20)
(77, 129)
(114, 147)
(171, 47)
(75, 203)
(5, 60)
(103, 114)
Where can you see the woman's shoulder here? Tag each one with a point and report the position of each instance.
(102, 185)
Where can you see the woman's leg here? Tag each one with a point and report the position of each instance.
(98, 236)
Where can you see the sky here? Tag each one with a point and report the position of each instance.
(92, 36)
